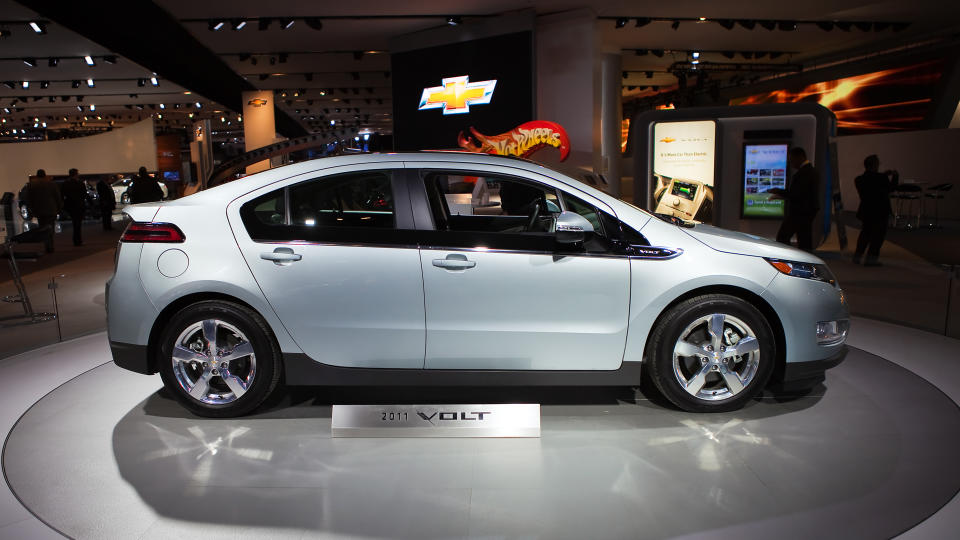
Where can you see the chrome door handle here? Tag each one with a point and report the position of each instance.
(454, 261)
(281, 256)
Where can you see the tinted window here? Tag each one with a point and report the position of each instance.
(353, 200)
(491, 204)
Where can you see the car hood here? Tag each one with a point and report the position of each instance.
(740, 243)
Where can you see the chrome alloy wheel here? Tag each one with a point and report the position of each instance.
(214, 362)
(716, 357)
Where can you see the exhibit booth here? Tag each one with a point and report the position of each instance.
(717, 164)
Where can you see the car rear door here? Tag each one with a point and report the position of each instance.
(500, 293)
(336, 258)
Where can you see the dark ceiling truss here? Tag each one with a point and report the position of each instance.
(727, 53)
(788, 25)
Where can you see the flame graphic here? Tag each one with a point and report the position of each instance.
(887, 100)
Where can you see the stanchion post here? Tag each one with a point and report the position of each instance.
(56, 307)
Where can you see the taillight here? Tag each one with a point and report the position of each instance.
(153, 232)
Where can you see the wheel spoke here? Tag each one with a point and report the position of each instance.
(237, 385)
(184, 355)
(241, 350)
(716, 330)
(685, 348)
(732, 379)
(694, 385)
(202, 385)
(746, 345)
(210, 335)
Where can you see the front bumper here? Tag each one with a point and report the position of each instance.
(132, 357)
(799, 376)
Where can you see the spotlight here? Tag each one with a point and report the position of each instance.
(769, 25)
(863, 26)
(643, 21)
(215, 25)
(726, 23)
(263, 23)
(162, 106)
(199, 105)
(454, 21)
(787, 26)
(154, 81)
(25, 84)
(313, 22)
(80, 108)
(826, 26)
(93, 107)
(44, 84)
(287, 23)
(90, 83)
(38, 27)
(238, 24)
(89, 60)
(52, 62)
(748, 24)
(32, 62)
(675, 25)
(621, 22)
(110, 59)
(696, 55)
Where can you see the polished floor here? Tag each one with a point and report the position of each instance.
(869, 454)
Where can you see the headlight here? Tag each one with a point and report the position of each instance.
(819, 272)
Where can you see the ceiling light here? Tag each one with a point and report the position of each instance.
(621, 22)
(32, 62)
(199, 105)
(643, 21)
(162, 106)
(52, 62)
(44, 84)
(25, 84)
(694, 62)
(287, 23)
(313, 22)
(79, 108)
(696, 55)
(90, 83)
(238, 24)
(93, 107)
(140, 82)
(453, 21)
(154, 81)
(38, 27)
(215, 25)
(89, 60)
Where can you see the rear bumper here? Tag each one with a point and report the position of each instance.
(797, 376)
(132, 357)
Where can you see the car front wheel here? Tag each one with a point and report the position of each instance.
(711, 353)
(219, 359)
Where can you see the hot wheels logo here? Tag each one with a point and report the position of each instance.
(457, 94)
(521, 141)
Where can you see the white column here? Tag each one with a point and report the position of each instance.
(259, 125)
(611, 115)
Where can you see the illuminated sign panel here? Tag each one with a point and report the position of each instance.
(764, 168)
(683, 168)
(457, 94)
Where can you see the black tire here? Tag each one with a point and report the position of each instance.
(233, 325)
(719, 392)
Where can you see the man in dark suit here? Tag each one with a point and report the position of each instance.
(874, 190)
(74, 202)
(802, 201)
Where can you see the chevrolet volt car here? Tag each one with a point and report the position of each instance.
(445, 268)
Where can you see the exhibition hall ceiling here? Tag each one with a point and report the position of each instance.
(330, 61)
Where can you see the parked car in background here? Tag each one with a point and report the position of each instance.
(381, 269)
(120, 190)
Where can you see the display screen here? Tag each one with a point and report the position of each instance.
(888, 100)
(764, 168)
(685, 190)
(439, 92)
(171, 175)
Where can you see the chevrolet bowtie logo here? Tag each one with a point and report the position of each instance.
(257, 102)
(456, 95)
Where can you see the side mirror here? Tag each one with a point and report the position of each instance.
(572, 228)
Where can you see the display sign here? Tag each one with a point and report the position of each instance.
(439, 92)
(457, 94)
(684, 158)
(259, 124)
(496, 420)
(764, 168)
(521, 141)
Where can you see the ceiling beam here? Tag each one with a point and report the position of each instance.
(149, 36)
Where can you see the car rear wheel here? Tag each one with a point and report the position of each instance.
(219, 359)
(711, 353)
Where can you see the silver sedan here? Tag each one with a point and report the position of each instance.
(457, 269)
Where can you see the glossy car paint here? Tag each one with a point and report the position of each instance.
(517, 311)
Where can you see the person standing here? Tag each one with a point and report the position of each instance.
(108, 202)
(144, 188)
(874, 189)
(43, 201)
(74, 201)
(801, 201)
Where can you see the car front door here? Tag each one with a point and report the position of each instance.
(336, 258)
(501, 293)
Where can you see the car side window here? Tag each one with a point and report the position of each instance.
(491, 204)
(331, 208)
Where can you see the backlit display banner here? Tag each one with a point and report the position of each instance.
(684, 159)
(483, 85)
(764, 168)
